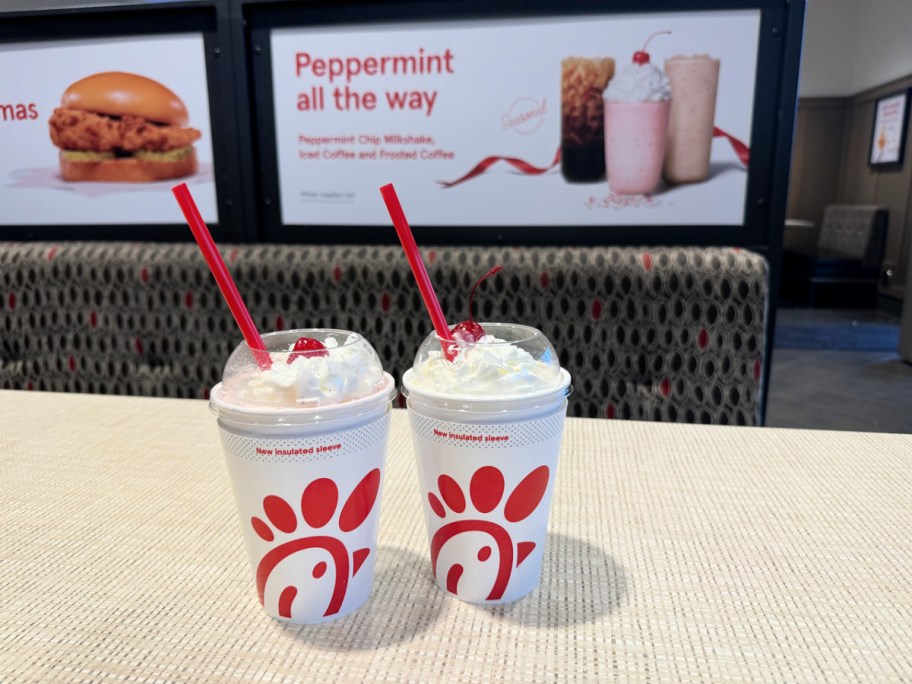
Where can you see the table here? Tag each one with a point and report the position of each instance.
(675, 553)
(800, 235)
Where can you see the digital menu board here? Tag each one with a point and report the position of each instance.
(595, 120)
(95, 131)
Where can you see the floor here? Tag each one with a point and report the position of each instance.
(838, 369)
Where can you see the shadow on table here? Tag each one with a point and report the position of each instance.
(579, 583)
(404, 602)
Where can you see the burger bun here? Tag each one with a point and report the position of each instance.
(127, 169)
(118, 93)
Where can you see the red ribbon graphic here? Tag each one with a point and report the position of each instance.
(742, 150)
(523, 167)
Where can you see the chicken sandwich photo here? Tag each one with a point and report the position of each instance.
(121, 127)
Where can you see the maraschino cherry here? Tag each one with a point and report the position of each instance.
(307, 347)
(641, 56)
(470, 331)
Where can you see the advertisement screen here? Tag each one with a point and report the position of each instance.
(96, 132)
(590, 120)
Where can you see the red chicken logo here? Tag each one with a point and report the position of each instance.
(494, 543)
(319, 503)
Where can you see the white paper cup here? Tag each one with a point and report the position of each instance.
(486, 470)
(307, 485)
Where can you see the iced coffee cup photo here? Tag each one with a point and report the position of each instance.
(304, 417)
(582, 117)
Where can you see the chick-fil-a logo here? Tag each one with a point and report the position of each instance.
(318, 507)
(525, 115)
(484, 525)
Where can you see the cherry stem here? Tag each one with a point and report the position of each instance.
(657, 33)
(496, 269)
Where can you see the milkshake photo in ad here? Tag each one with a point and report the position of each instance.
(694, 82)
(637, 104)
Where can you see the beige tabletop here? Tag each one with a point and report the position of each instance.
(675, 553)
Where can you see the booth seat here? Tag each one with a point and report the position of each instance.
(659, 333)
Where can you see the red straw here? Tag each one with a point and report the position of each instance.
(220, 271)
(421, 277)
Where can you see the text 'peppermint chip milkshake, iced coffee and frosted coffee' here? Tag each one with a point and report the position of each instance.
(487, 413)
(304, 427)
(637, 104)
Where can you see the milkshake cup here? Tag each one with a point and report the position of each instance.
(304, 433)
(635, 134)
(487, 430)
(637, 104)
(582, 118)
(694, 81)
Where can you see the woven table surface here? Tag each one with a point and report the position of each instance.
(675, 553)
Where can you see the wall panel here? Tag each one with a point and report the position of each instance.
(857, 183)
(816, 161)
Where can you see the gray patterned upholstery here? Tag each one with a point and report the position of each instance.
(856, 231)
(672, 334)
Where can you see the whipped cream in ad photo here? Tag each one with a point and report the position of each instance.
(638, 83)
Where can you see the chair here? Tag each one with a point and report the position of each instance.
(843, 268)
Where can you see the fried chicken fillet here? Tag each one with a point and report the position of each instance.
(74, 129)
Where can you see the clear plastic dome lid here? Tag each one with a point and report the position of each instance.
(301, 369)
(509, 361)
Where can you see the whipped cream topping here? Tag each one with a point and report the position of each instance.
(638, 83)
(347, 372)
(490, 367)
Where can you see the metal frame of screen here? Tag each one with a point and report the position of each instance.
(773, 116)
(207, 18)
